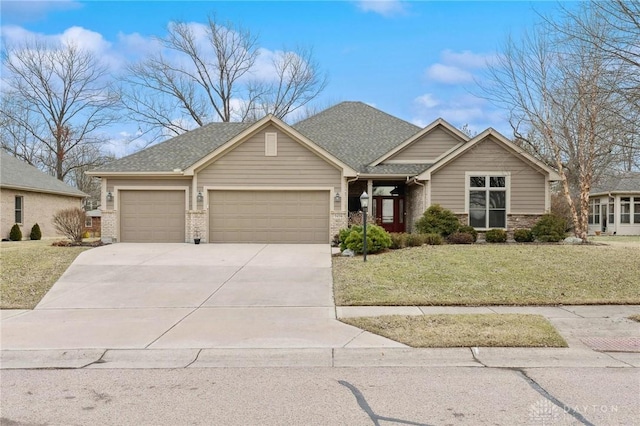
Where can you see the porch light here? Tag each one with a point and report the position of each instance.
(109, 196)
(364, 202)
(337, 198)
(200, 197)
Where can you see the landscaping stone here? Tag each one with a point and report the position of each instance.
(348, 253)
(573, 240)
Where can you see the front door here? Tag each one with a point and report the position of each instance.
(389, 212)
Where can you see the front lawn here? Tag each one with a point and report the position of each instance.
(491, 274)
(29, 269)
(466, 330)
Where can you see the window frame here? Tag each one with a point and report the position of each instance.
(18, 210)
(635, 210)
(625, 210)
(594, 211)
(88, 222)
(487, 175)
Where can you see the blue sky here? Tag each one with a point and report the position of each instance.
(417, 60)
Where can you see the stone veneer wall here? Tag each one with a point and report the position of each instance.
(338, 220)
(517, 221)
(414, 206)
(109, 222)
(197, 220)
(463, 218)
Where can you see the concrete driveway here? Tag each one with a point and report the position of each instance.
(135, 296)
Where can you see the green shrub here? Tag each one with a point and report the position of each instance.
(415, 240)
(550, 228)
(523, 235)
(377, 239)
(438, 220)
(36, 234)
(432, 239)
(344, 233)
(398, 240)
(469, 230)
(15, 234)
(460, 238)
(496, 236)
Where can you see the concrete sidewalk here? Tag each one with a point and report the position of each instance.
(598, 336)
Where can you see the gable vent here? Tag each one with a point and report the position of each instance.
(271, 144)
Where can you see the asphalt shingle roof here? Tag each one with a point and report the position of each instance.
(179, 152)
(629, 181)
(17, 174)
(356, 133)
(353, 132)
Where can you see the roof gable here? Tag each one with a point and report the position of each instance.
(269, 120)
(418, 137)
(356, 133)
(17, 174)
(498, 137)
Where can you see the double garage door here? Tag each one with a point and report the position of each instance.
(234, 216)
(269, 217)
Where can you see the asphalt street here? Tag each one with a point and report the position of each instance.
(322, 396)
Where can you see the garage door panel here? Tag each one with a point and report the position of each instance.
(152, 216)
(269, 216)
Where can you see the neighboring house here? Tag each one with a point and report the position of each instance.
(271, 182)
(614, 205)
(92, 222)
(30, 196)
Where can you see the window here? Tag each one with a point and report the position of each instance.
(612, 213)
(625, 210)
(88, 223)
(594, 211)
(19, 208)
(636, 210)
(270, 144)
(488, 201)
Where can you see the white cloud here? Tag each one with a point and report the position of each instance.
(448, 74)
(427, 100)
(13, 11)
(467, 59)
(383, 7)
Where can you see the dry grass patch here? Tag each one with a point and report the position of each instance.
(29, 269)
(465, 330)
(635, 318)
(490, 274)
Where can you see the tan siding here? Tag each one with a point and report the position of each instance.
(247, 164)
(429, 147)
(179, 182)
(527, 184)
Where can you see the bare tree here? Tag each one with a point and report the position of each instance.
(58, 99)
(559, 91)
(205, 73)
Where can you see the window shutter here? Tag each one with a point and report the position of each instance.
(271, 144)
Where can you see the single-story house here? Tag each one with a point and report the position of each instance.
(614, 205)
(30, 196)
(268, 181)
(92, 222)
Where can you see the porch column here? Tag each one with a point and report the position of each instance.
(370, 192)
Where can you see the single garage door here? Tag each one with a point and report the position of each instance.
(269, 217)
(152, 216)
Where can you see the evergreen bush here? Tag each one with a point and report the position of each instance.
(377, 239)
(523, 235)
(550, 228)
(438, 220)
(36, 234)
(16, 233)
(496, 236)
